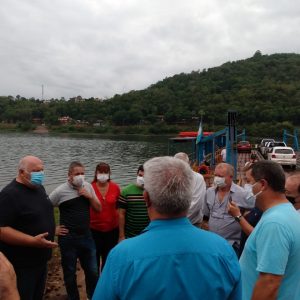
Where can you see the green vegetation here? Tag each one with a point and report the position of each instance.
(264, 90)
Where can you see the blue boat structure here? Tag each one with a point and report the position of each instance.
(205, 147)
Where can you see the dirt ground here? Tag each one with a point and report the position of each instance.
(55, 288)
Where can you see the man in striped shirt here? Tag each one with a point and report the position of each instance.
(133, 215)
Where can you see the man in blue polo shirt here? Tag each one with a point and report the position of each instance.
(171, 259)
(271, 257)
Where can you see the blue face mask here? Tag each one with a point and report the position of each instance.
(37, 178)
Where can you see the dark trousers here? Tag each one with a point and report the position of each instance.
(82, 248)
(104, 241)
(31, 282)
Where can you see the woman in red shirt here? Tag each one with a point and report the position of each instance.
(105, 224)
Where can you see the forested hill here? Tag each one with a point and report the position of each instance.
(264, 90)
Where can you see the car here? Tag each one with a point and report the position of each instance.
(283, 155)
(270, 145)
(262, 145)
(244, 146)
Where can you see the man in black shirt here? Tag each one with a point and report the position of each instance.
(27, 221)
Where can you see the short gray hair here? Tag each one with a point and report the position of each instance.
(73, 165)
(229, 168)
(168, 181)
(183, 156)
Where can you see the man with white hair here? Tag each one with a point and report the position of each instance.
(27, 221)
(171, 259)
(198, 193)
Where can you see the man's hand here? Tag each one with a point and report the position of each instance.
(40, 241)
(61, 230)
(233, 209)
(94, 202)
(204, 225)
(12, 236)
(83, 192)
(8, 280)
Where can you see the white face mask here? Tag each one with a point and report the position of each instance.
(219, 181)
(140, 181)
(78, 180)
(102, 177)
(249, 189)
(249, 196)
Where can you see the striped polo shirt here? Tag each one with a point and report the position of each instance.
(74, 209)
(132, 200)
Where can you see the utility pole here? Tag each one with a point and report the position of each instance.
(42, 92)
(231, 155)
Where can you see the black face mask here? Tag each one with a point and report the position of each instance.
(291, 199)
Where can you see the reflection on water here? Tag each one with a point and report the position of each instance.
(124, 154)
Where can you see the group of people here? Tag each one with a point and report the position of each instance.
(165, 236)
(93, 218)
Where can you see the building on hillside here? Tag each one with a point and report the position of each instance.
(65, 120)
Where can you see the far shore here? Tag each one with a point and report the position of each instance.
(41, 129)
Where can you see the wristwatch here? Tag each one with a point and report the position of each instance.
(238, 218)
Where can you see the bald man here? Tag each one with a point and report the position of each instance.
(27, 227)
(292, 189)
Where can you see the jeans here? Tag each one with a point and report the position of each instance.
(31, 282)
(83, 248)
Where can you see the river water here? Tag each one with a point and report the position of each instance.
(123, 153)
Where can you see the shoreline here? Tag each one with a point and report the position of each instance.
(94, 134)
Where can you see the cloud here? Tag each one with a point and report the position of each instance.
(99, 48)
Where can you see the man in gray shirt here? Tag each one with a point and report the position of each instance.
(216, 201)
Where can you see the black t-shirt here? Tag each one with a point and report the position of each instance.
(75, 215)
(29, 211)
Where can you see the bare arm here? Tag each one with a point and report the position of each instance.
(94, 201)
(8, 280)
(246, 227)
(204, 225)
(234, 211)
(12, 236)
(266, 287)
(122, 214)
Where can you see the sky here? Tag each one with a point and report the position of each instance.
(99, 48)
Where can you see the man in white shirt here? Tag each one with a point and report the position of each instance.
(223, 154)
(195, 214)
